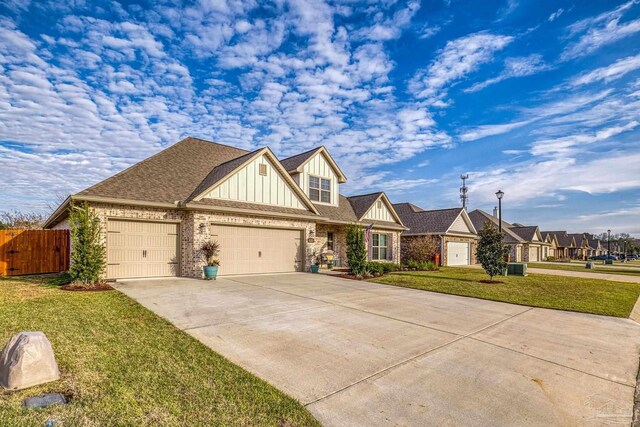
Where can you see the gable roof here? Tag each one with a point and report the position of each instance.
(168, 176)
(295, 163)
(479, 218)
(527, 232)
(345, 213)
(421, 221)
(563, 238)
(363, 202)
(227, 169)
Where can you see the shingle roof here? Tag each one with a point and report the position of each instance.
(252, 206)
(420, 221)
(526, 232)
(479, 218)
(292, 163)
(169, 176)
(362, 203)
(564, 239)
(344, 212)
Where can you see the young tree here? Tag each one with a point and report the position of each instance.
(88, 250)
(419, 248)
(491, 250)
(356, 250)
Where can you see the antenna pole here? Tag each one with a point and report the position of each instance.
(464, 197)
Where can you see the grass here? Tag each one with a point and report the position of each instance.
(600, 268)
(557, 292)
(123, 365)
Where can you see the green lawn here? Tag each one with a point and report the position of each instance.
(564, 293)
(123, 365)
(600, 268)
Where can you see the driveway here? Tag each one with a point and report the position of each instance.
(366, 354)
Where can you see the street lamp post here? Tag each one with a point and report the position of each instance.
(499, 195)
(608, 244)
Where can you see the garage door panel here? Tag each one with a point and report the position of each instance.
(247, 250)
(142, 249)
(457, 253)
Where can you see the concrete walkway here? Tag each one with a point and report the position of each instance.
(362, 354)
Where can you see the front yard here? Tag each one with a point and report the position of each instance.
(564, 293)
(123, 365)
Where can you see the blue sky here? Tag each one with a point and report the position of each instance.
(538, 98)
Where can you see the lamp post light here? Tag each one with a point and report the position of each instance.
(608, 243)
(499, 195)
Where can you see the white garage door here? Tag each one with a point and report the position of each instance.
(250, 250)
(533, 254)
(457, 253)
(142, 249)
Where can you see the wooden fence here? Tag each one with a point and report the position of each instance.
(33, 251)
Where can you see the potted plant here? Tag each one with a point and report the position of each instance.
(209, 250)
(315, 263)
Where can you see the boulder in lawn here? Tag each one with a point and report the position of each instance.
(27, 360)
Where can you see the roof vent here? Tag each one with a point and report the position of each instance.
(262, 170)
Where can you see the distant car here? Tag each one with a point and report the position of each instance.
(603, 257)
(632, 257)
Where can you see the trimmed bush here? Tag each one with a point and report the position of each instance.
(356, 250)
(422, 266)
(88, 250)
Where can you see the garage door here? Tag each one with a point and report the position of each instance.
(142, 249)
(249, 250)
(533, 254)
(457, 253)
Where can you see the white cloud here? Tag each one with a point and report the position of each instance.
(491, 130)
(555, 15)
(457, 59)
(514, 67)
(601, 30)
(609, 73)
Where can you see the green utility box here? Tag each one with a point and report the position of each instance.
(517, 269)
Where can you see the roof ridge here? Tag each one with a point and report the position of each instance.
(304, 152)
(362, 195)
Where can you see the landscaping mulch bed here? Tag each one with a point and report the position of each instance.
(81, 287)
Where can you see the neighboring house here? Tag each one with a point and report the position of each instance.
(595, 247)
(552, 244)
(534, 247)
(268, 215)
(582, 249)
(452, 227)
(566, 243)
(515, 242)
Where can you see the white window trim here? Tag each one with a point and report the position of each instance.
(385, 247)
(320, 190)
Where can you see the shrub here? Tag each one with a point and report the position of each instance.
(375, 268)
(491, 250)
(422, 266)
(551, 258)
(419, 248)
(88, 251)
(209, 250)
(356, 250)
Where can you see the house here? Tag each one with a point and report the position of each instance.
(566, 243)
(595, 247)
(534, 247)
(514, 241)
(552, 245)
(452, 228)
(582, 249)
(268, 215)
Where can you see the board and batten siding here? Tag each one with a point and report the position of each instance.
(459, 225)
(318, 166)
(379, 212)
(247, 185)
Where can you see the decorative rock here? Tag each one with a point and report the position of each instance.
(27, 360)
(591, 266)
(44, 401)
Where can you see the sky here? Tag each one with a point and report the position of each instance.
(539, 99)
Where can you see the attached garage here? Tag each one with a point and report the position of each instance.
(534, 253)
(142, 249)
(253, 250)
(458, 253)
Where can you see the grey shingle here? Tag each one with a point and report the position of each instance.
(420, 221)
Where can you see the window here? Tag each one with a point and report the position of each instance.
(263, 169)
(329, 241)
(379, 246)
(320, 189)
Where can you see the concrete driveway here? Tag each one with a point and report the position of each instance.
(366, 354)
